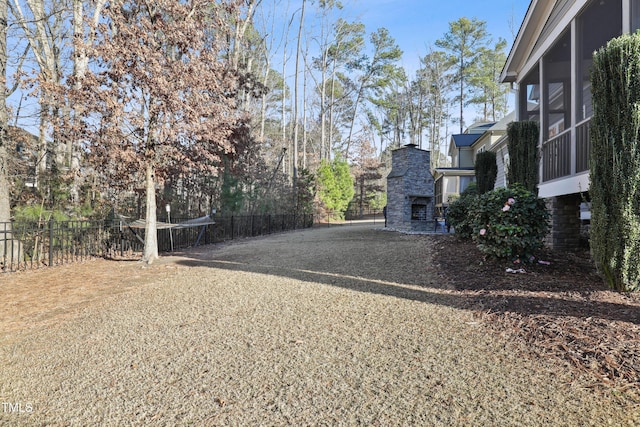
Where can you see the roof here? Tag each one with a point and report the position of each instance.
(462, 140)
(542, 16)
(480, 127)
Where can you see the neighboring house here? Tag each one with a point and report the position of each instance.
(549, 67)
(494, 139)
(450, 182)
(23, 162)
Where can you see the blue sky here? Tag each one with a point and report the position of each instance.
(416, 24)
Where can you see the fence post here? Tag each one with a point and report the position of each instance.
(50, 241)
(5, 243)
(121, 237)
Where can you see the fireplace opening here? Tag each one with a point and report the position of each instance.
(421, 208)
(418, 212)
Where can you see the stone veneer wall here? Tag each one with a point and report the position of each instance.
(565, 222)
(409, 176)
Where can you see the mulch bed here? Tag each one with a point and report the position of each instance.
(561, 309)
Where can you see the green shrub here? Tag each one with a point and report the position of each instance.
(335, 186)
(524, 155)
(34, 213)
(486, 169)
(615, 163)
(509, 223)
(458, 212)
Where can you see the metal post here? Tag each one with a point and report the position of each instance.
(50, 241)
(169, 221)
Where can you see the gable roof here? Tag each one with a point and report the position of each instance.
(527, 38)
(462, 140)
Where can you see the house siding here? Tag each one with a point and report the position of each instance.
(558, 13)
(466, 158)
(502, 159)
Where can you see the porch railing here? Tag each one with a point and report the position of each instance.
(583, 145)
(556, 153)
(556, 157)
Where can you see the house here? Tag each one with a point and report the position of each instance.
(495, 139)
(24, 159)
(450, 182)
(548, 66)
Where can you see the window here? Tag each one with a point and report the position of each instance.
(557, 73)
(635, 15)
(530, 96)
(465, 181)
(600, 21)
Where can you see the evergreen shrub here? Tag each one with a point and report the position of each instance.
(486, 169)
(524, 155)
(458, 212)
(509, 223)
(615, 163)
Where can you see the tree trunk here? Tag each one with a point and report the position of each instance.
(6, 238)
(304, 117)
(331, 105)
(461, 94)
(150, 228)
(295, 97)
(284, 100)
(353, 120)
(5, 200)
(263, 102)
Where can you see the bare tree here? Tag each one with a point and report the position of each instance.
(159, 99)
(5, 195)
(46, 33)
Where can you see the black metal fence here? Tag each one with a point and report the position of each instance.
(29, 245)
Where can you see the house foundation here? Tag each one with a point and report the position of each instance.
(565, 223)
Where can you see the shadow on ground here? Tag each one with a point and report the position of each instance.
(366, 259)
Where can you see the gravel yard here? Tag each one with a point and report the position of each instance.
(344, 325)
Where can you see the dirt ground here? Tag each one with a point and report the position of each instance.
(557, 310)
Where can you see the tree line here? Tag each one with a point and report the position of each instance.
(243, 106)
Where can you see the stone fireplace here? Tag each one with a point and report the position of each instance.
(410, 190)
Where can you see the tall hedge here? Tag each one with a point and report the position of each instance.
(615, 163)
(524, 156)
(486, 170)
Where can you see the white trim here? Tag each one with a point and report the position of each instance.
(563, 186)
(626, 16)
(574, 92)
(553, 37)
